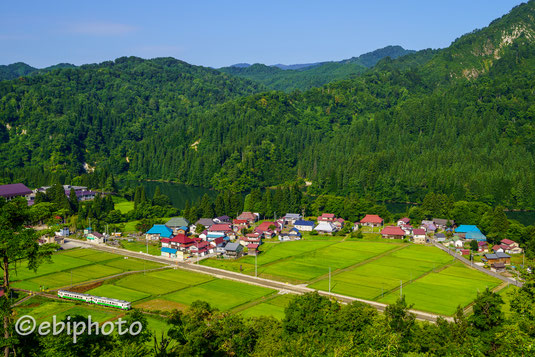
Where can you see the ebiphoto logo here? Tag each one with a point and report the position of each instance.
(26, 325)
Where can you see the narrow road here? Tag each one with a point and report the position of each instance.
(272, 284)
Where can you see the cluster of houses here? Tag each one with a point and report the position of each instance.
(13, 190)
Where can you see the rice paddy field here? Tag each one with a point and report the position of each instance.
(75, 266)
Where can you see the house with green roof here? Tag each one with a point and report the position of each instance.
(176, 223)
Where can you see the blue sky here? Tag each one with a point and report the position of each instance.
(221, 33)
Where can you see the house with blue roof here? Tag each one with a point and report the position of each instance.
(477, 236)
(465, 228)
(288, 235)
(303, 225)
(159, 231)
(169, 252)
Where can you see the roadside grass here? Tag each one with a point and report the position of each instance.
(154, 249)
(118, 292)
(132, 264)
(222, 294)
(442, 292)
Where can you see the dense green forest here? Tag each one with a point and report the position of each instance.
(19, 69)
(421, 123)
(314, 75)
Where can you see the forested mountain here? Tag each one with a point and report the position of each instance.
(408, 127)
(306, 76)
(20, 69)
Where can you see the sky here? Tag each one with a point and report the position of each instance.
(221, 33)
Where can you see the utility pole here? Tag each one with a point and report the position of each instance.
(329, 279)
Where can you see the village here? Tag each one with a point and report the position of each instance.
(227, 238)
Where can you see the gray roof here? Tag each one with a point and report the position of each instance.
(443, 221)
(232, 247)
(207, 222)
(292, 216)
(440, 235)
(177, 222)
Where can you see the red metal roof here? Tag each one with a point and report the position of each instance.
(372, 218)
(221, 227)
(405, 219)
(328, 215)
(165, 240)
(181, 239)
(393, 231)
(252, 246)
(418, 232)
(508, 241)
(239, 221)
(264, 226)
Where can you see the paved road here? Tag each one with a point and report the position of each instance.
(272, 284)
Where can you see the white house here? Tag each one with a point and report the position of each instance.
(325, 227)
(303, 225)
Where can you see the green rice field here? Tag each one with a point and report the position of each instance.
(75, 266)
(272, 307)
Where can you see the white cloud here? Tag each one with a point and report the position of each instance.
(102, 29)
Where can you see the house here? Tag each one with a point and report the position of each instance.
(407, 229)
(442, 223)
(220, 228)
(206, 222)
(339, 223)
(458, 243)
(252, 249)
(181, 230)
(291, 218)
(52, 239)
(325, 227)
(440, 237)
(482, 246)
(498, 249)
(168, 252)
(326, 217)
(13, 190)
(158, 231)
(477, 236)
(96, 237)
(177, 222)
(222, 219)
(267, 229)
(465, 251)
(429, 226)
(288, 235)
(200, 248)
(249, 217)
(165, 242)
(500, 267)
(63, 232)
(393, 232)
(239, 224)
(465, 228)
(499, 257)
(511, 247)
(403, 221)
(218, 242)
(251, 238)
(371, 220)
(303, 225)
(418, 236)
(212, 235)
(233, 250)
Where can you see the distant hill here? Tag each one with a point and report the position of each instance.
(21, 69)
(309, 75)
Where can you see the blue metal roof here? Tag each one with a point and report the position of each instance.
(304, 223)
(168, 250)
(480, 237)
(162, 230)
(464, 228)
(183, 228)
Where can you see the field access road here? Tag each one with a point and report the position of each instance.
(229, 275)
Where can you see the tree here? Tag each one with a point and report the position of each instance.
(199, 228)
(73, 200)
(400, 319)
(206, 207)
(473, 245)
(17, 243)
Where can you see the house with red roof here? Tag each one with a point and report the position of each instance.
(510, 246)
(393, 232)
(403, 221)
(180, 242)
(267, 229)
(200, 248)
(252, 249)
(255, 238)
(326, 217)
(224, 228)
(339, 223)
(482, 246)
(239, 224)
(249, 217)
(371, 220)
(419, 236)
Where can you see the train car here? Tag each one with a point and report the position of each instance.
(74, 296)
(121, 304)
(91, 299)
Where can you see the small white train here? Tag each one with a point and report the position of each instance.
(99, 300)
